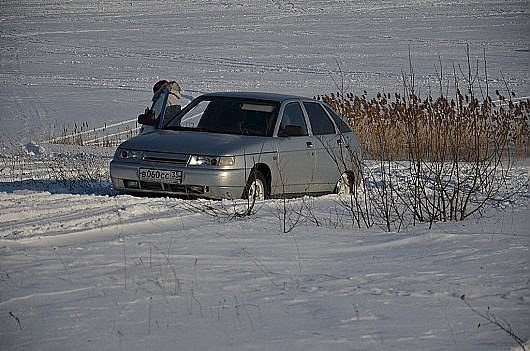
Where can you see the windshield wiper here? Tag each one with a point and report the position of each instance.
(221, 130)
(207, 130)
(181, 128)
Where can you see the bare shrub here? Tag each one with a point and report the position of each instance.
(491, 318)
(458, 151)
(76, 172)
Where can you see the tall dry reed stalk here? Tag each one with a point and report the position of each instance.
(437, 129)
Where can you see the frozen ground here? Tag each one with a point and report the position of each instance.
(84, 269)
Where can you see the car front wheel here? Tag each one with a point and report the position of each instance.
(256, 187)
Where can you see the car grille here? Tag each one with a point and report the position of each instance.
(177, 159)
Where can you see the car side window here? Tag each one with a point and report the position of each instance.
(293, 121)
(343, 127)
(320, 122)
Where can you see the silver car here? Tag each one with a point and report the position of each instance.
(240, 144)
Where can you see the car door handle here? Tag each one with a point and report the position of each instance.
(309, 144)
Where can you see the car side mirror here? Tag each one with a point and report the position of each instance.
(147, 118)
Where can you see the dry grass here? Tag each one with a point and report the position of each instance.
(436, 129)
(107, 136)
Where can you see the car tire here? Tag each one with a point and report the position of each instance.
(256, 186)
(345, 184)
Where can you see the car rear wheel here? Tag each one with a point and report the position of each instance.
(256, 187)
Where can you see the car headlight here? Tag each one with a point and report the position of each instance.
(129, 154)
(211, 160)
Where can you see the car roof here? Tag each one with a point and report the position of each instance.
(257, 96)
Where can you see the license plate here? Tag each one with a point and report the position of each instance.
(160, 176)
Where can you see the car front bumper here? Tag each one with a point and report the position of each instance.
(215, 183)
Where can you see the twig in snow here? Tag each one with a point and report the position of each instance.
(149, 321)
(499, 322)
(17, 319)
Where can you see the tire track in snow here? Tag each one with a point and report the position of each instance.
(164, 223)
(42, 296)
(58, 215)
(409, 240)
(54, 219)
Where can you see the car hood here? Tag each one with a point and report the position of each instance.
(199, 143)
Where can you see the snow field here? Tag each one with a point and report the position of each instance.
(92, 62)
(189, 281)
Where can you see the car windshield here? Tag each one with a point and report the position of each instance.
(227, 115)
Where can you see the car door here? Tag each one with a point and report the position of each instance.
(327, 144)
(295, 161)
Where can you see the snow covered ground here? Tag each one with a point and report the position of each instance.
(158, 276)
(82, 268)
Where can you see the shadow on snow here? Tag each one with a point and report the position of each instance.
(60, 186)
